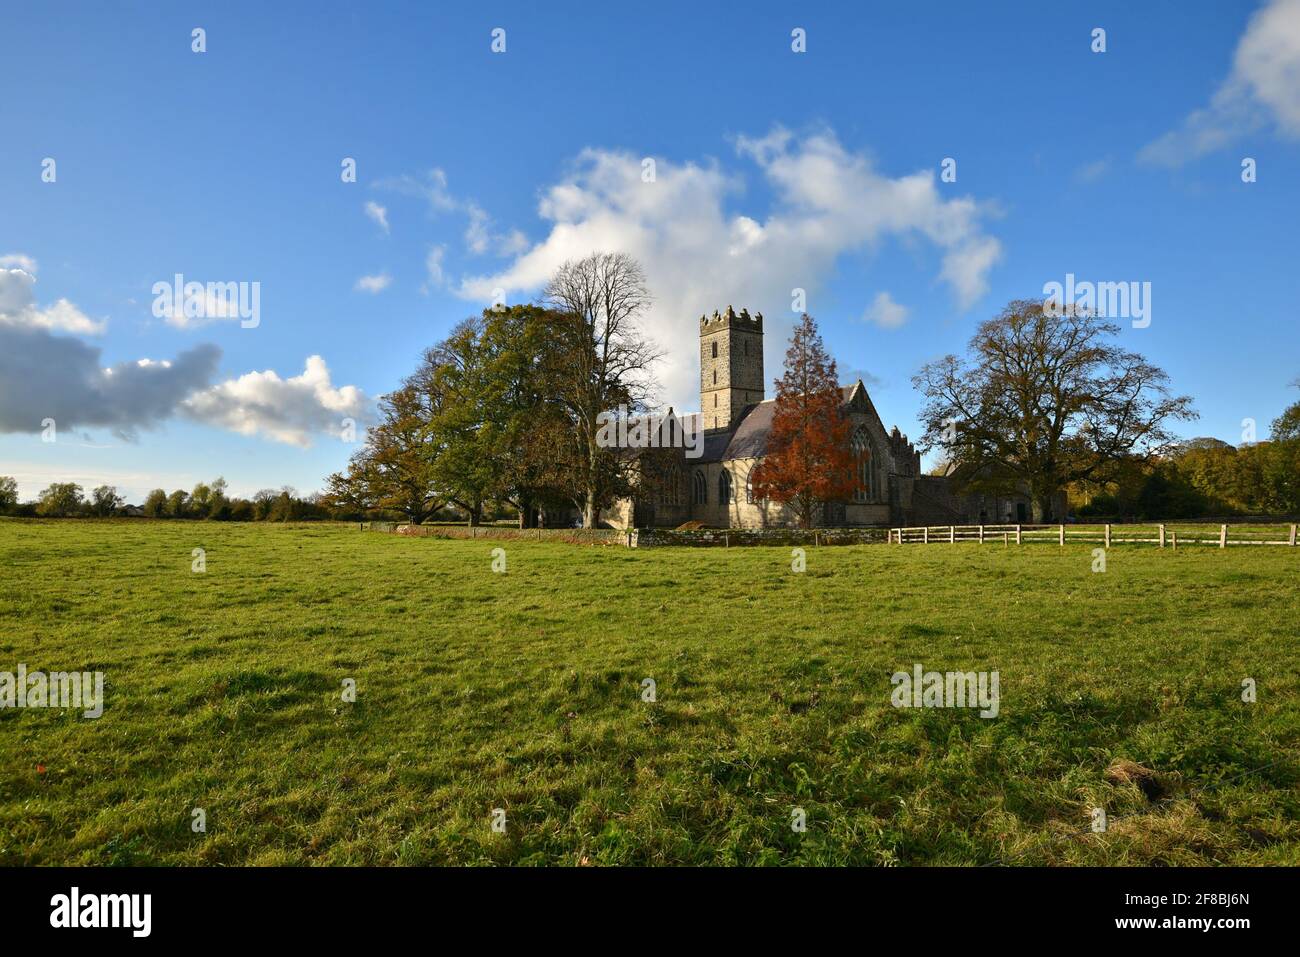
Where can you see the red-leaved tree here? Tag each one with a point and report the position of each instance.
(808, 462)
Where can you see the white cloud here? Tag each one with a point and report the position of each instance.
(1264, 84)
(60, 377)
(374, 284)
(18, 261)
(213, 302)
(378, 213)
(886, 313)
(18, 302)
(479, 235)
(1091, 172)
(433, 265)
(699, 256)
(291, 410)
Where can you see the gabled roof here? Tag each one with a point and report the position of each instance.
(748, 440)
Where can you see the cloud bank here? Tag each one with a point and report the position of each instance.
(699, 255)
(46, 372)
(1264, 86)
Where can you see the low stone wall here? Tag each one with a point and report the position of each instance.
(579, 536)
(727, 537)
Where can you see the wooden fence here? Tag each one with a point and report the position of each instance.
(1106, 535)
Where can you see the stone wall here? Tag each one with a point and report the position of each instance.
(726, 537)
(579, 536)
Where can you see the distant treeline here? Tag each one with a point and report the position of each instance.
(207, 500)
(1208, 478)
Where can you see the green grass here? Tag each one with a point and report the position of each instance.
(523, 691)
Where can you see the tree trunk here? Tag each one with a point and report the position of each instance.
(590, 514)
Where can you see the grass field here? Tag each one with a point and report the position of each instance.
(522, 691)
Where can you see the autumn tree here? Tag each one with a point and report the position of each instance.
(807, 463)
(393, 470)
(1045, 400)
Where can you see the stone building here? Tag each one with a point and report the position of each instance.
(735, 419)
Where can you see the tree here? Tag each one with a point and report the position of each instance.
(104, 501)
(395, 470)
(218, 502)
(1286, 427)
(1045, 401)
(808, 462)
(59, 499)
(155, 503)
(199, 500)
(177, 504)
(603, 362)
(8, 492)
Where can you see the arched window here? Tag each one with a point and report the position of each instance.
(670, 486)
(749, 486)
(724, 488)
(701, 488)
(864, 467)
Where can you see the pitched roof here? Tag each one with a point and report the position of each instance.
(748, 440)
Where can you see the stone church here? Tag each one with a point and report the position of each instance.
(735, 420)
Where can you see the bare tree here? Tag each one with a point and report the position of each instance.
(1046, 400)
(605, 361)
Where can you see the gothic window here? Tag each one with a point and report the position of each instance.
(670, 490)
(701, 488)
(724, 488)
(864, 467)
(749, 486)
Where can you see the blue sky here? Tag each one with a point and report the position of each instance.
(481, 170)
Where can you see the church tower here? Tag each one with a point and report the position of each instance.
(731, 366)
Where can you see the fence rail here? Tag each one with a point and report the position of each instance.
(1162, 535)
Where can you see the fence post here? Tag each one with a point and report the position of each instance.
(1162, 536)
(1061, 530)
(1017, 534)
(1108, 536)
(952, 534)
(1223, 536)
(1292, 534)
(981, 534)
(925, 535)
(1006, 538)
(1174, 540)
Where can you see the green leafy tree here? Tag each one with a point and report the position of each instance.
(155, 504)
(8, 492)
(60, 499)
(177, 504)
(104, 501)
